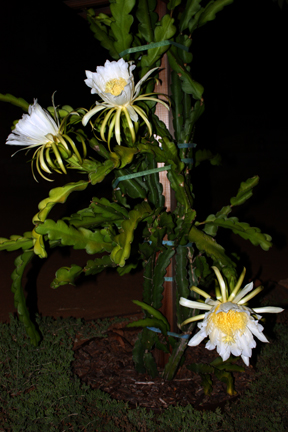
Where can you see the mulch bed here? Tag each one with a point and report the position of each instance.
(106, 364)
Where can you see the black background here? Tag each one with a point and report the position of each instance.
(239, 58)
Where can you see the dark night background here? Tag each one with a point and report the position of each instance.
(240, 58)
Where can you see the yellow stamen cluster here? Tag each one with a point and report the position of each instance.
(228, 323)
(115, 86)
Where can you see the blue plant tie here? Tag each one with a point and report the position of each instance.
(186, 145)
(168, 279)
(156, 330)
(171, 243)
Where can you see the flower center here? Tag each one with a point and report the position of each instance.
(115, 86)
(228, 323)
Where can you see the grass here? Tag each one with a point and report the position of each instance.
(38, 391)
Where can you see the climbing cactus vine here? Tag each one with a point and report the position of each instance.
(120, 136)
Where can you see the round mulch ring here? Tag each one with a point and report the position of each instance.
(106, 364)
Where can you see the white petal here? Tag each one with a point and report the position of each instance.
(214, 338)
(235, 350)
(223, 350)
(33, 128)
(212, 302)
(209, 345)
(197, 338)
(194, 304)
(114, 69)
(133, 115)
(92, 82)
(225, 307)
(243, 292)
(125, 96)
(246, 342)
(110, 71)
(90, 113)
(245, 360)
(257, 329)
(268, 309)
(203, 325)
(138, 85)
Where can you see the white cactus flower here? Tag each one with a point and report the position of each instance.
(33, 128)
(114, 83)
(229, 324)
(39, 129)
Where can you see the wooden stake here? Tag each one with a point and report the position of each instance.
(168, 302)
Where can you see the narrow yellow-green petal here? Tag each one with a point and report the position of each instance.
(144, 97)
(200, 291)
(38, 169)
(59, 138)
(144, 117)
(218, 294)
(83, 144)
(221, 283)
(58, 157)
(192, 319)
(111, 127)
(237, 286)
(138, 85)
(117, 125)
(32, 165)
(130, 124)
(74, 148)
(42, 162)
(49, 160)
(90, 113)
(251, 295)
(194, 304)
(104, 123)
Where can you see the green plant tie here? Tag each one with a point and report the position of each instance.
(151, 171)
(139, 174)
(151, 46)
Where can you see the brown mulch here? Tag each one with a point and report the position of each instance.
(106, 364)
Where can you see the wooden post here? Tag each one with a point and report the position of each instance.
(168, 308)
